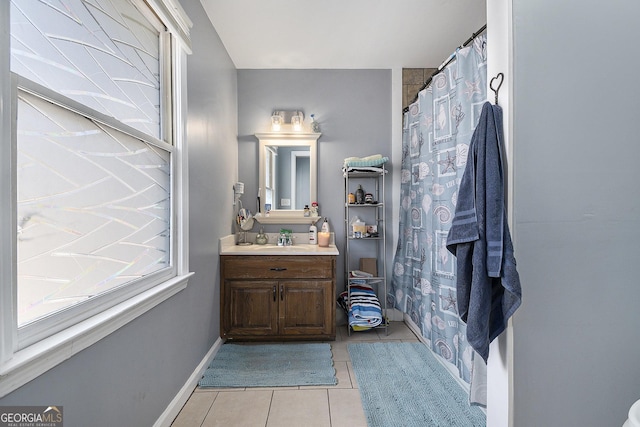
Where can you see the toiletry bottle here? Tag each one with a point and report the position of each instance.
(325, 226)
(313, 234)
(306, 210)
(359, 195)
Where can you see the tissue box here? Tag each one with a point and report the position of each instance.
(369, 265)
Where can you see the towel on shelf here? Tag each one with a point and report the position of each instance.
(363, 169)
(365, 311)
(357, 162)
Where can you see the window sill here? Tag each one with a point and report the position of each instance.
(31, 362)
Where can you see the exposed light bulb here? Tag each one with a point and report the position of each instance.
(276, 122)
(296, 122)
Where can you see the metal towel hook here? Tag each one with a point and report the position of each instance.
(499, 77)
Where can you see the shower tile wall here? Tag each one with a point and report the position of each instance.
(412, 81)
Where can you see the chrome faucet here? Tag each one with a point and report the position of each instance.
(285, 239)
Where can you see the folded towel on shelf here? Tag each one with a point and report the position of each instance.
(363, 169)
(373, 160)
(372, 157)
(365, 311)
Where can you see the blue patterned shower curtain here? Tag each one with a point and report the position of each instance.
(436, 135)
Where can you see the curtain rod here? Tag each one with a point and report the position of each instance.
(445, 63)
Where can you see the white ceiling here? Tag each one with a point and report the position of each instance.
(343, 34)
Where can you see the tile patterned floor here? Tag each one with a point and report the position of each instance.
(309, 406)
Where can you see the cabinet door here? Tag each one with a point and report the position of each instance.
(251, 308)
(306, 307)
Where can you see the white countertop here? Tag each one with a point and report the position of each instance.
(228, 246)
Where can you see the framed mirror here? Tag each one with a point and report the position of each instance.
(287, 173)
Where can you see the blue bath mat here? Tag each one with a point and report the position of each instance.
(402, 384)
(270, 365)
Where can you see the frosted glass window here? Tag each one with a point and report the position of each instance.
(94, 183)
(104, 54)
(93, 208)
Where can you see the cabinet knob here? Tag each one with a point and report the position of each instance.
(278, 269)
(274, 293)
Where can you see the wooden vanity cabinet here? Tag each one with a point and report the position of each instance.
(286, 297)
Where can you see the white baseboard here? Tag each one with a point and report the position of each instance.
(449, 366)
(394, 315)
(172, 411)
(415, 328)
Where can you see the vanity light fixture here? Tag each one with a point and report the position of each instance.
(296, 121)
(277, 120)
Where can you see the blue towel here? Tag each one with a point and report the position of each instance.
(488, 284)
(365, 311)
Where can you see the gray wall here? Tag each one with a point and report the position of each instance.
(129, 378)
(353, 108)
(577, 212)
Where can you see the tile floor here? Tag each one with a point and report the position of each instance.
(309, 406)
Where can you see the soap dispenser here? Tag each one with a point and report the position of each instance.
(313, 234)
(325, 226)
(261, 238)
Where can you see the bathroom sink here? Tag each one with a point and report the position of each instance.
(292, 248)
(271, 249)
